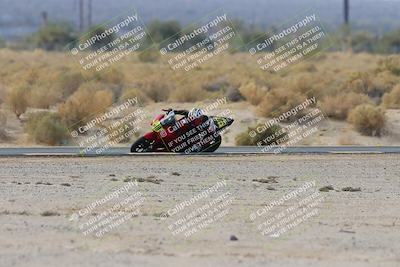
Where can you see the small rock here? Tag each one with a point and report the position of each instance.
(65, 184)
(269, 180)
(233, 238)
(112, 175)
(347, 231)
(270, 188)
(326, 188)
(50, 213)
(351, 189)
(176, 173)
(44, 183)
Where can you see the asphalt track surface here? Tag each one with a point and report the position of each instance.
(238, 150)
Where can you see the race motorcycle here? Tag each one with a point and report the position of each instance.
(186, 135)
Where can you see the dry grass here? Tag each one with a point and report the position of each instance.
(339, 106)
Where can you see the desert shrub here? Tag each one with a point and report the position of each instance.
(110, 76)
(363, 42)
(149, 56)
(305, 67)
(163, 30)
(46, 128)
(252, 92)
(304, 84)
(218, 85)
(3, 43)
(157, 91)
(41, 96)
(17, 99)
(363, 83)
(278, 101)
(273, 135)
(98, 43)
(387, 79)
(69, 82)
(3, 125)
(89, 100)
(53, 36)
(233, 95)
(339, 106)
(391, 63)
(368, 119)
(132, 93)
(187, 94)
(392, 99)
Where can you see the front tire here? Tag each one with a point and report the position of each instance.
(213, 147)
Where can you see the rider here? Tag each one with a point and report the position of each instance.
(195, 117)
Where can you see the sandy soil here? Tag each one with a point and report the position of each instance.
(39, 196)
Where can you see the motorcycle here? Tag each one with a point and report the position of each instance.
(186, 135)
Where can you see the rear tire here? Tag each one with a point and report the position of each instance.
(215, 145)
(141, 145)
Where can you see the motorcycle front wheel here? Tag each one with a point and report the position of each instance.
(215, 145)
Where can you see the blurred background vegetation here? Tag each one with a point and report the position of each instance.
(357, 80)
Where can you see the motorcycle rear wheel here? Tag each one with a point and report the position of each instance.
(141, 145)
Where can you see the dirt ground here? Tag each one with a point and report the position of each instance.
(43, 201)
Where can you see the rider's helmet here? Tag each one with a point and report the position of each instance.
(195, 113)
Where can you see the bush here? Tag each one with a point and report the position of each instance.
(53, 36)
(132, 93)
(17, 100)
(98, 43)
(41, 96)
(89, 100)
(69, 82)
(361, 82)
(252, 93)
(149, 56)
(3, 43)
(392, 99)
(234, 95)
(3, 125)
(368, 120)
(273, 135)
(157, 91)
(391, 63)
(339, 106)
(279, 101)
(46, 128)
(187, 94)
(110, 76)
